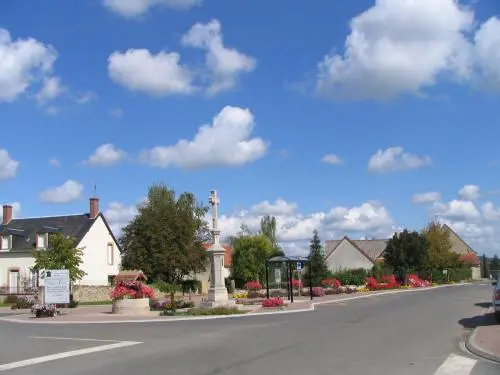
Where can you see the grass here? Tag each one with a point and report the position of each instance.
(202, 311)
(3, 304)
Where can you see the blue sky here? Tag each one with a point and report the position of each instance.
(398, 97)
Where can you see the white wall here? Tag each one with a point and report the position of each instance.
(23, 261)
(346, 256)
(95, 255)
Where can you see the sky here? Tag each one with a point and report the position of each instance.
(353, 118)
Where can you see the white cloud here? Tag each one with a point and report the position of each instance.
(86, 97)
(224, 64)
(457, 209)
(50, 90)
(158, 75)
(394, 159)
(106, 155)
(431, 196)
(116, 112)
(404, 46)
(66, 193)
(22, 63)
(54, 162)
(8, 166)
(137, 8)
(225, 142)
(119, 215)
(469, 192)
(332, 159)
(280, 207)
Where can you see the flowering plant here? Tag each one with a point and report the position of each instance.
(132, 290)
(41, 310)
(318, 291)
(416, 282)
(240, 295)
(331, 283)
(297, 284)
(253, 285)
(391, 279)
(273, 302)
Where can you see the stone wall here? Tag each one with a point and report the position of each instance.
(89, 293)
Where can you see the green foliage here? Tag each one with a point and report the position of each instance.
(250, 253)
(379, 270)
(460, 274)
(317, 262)
(170, 289)
(268, 229)
(407, 252)
(351, 277)
(439, 255)
(61, 254)
(165, 239)
(190, 286)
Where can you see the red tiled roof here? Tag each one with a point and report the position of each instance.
(470, 259)
(228, 255)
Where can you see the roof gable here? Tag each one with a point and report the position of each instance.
(372, 249)
(454, 237)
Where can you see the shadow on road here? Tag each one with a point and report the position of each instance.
(484, 305)
(478, 321)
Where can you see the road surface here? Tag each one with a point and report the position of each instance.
(417, 333)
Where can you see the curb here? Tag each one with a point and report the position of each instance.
(476, 350)
(312, 307)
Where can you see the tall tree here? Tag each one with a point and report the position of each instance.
(495, 266)
(407, 251)
(268, 228)
(165, 239)
(250, 253)
(485, 269)
(62, 254)
(317, 262)
(440, 255)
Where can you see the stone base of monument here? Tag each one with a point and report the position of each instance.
(217, 297)
(138, 306)
(212, 304)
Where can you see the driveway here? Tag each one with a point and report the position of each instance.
(405, 334)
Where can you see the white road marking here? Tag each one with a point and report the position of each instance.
(456, 365)
(70, 339)
(73, 353)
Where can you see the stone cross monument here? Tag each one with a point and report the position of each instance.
(217, 293)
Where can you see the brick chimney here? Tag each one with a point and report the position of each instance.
(94, 207)
(7, 214)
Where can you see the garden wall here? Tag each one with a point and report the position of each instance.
(89, 293)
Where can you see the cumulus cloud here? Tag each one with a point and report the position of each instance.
(158, 74)
(119, 215)
(401, 47)
(137, 8)
(67, 192)
(224, 64)
(431, 196)
(50, 90)
(332, 159)
(22, 63)
(8, 166)
(106, 155)
(469, 192)
(227, 141)
(394, 159)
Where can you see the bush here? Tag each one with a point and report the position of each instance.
(460, 274)
(166, 305)
(351, 277)
(222, 310)
(190, 286)
(253, 286)
(10, 299)
(273, 302)
(25, 302)
(318, 291)
(331, 283)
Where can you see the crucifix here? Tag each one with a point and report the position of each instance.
(214, 201)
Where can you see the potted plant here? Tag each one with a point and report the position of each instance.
(131, 298)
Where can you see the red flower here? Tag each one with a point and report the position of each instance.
(297, 284)
(253, 285)
(273, 302)
(331, 283)
(133, 290)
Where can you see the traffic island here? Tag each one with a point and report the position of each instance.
(485, 342)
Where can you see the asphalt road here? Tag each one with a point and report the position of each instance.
(404, 334)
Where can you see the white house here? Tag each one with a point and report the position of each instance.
(21, 237)
(351, 254)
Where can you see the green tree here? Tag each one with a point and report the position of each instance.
(407, 251)
(165, 239)
(439, 254)
(495, 266)
(485, 269)
(317, 262)
(268, 228)
(61, 254)
(250, 253)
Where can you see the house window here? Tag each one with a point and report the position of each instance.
(40, 241)
(111, 254)
(5, 242)
(111, 280)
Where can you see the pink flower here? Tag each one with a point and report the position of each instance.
(253, 285)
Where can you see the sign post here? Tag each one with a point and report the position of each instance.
(299, 267)
(57, 287)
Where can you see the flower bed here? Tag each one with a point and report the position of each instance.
(253, 286)
(273, 302)
(416, 282)
(372, 284)
(43, 311)
(161, 305)
(131, 298)
(331, 283)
